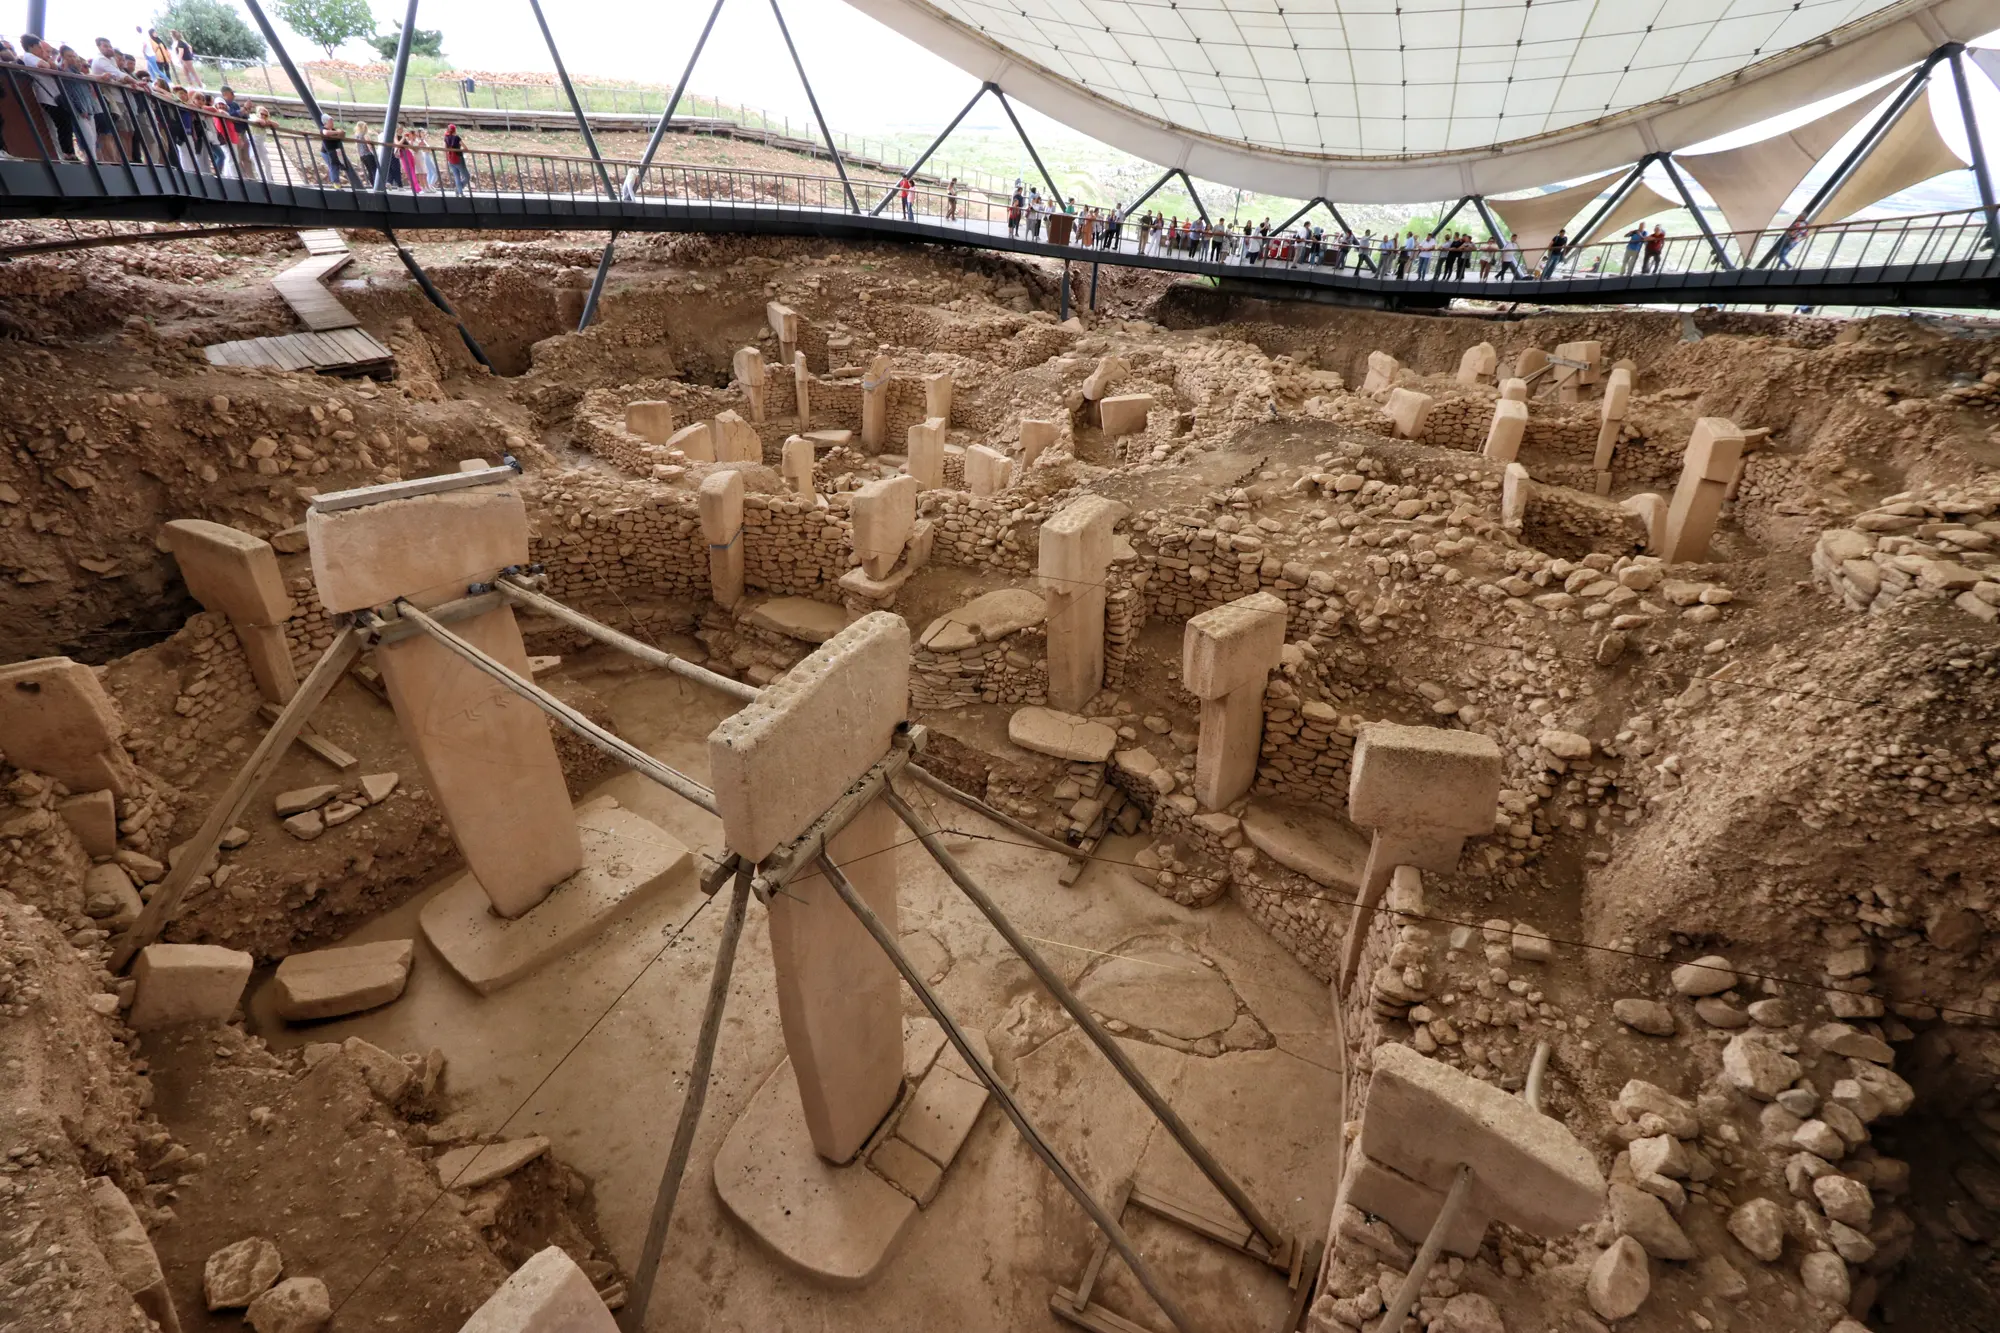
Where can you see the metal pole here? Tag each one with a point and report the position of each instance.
(680, 90)
(589, 314)
(1493, 230)
(397, 79)
(1077, 1010)
(1619, 191)
(1452, 213)
(1700, 219)
(1093, 285)
(977, 1062)
(1188, 181)
(633, 1317)
(604, 634)
(918, 164)
(1973, 142)
(1300, 213)
(569, 91)
(1063, 303)
(1033, 156)
(853, 205)
(1000, 817)
(38, 17)
(1150, 191)
(436, 298)
(299, 85)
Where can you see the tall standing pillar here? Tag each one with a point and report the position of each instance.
(801, 388)
(1072, 563)
(1037, 434)
(1227, 655)
(1713, 454)
(721, 501)
(749, 368)
(926, 454)
(796, 465)
(875, 403)
(486, 753)
(784, 323)
(937, 396)
(237, 574)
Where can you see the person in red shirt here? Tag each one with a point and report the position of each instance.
(907, 187)
(454, 158)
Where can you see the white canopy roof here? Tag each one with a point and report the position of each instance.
(1378, 101)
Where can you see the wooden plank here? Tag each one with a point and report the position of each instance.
(1080, 1298)
(315, 742)
(1093, 1317)
(1303, 1286)
(1236, 1234)
(289, 354)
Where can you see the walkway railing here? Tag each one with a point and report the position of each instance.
(104, 141)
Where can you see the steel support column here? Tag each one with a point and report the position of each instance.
(436, 298)
(1700, 220)
(680, 91)
(1450, 213)
(396, 81)
(1152, 189)
(575, 106)
(1493, 230)
(853, 205)
(1308, 207)
(1618, 192)
(1027, 143)
(1193, 195)
(910, 173)
(299, 85)
(1977, 147)
(589, 314)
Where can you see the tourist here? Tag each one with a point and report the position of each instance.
(87, 110)
(407, 164)
(40, 56)
(333, 152)
(1426, 248)
(1635, 243)
(238, 136)
(951, 200)
(454, 159)
(371, 165)
(185, 54)
(1033, 213)
(158, 63)
(1793, 235)
(1656, 248)
(1553, 257)
(1015, 206)
(907, 189)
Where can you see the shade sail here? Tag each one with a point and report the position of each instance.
(1911, 152)
(1750, 184)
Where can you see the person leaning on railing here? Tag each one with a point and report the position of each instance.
(333, 151)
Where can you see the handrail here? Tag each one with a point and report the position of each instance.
(161, 145)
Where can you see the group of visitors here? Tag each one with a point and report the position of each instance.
(408, 164)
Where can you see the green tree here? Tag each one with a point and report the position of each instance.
(212, 29)
(327, 23)
(423, 42)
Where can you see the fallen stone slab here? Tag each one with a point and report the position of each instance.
(388, 1076)
(377, 786)
(1162, 991)
(303, 799)
(238, 1274)
(187, 983)
(327, 983)
(992, 616)
(1063, 735)
(1326, 850)
(1426, 1118)
(479, 1164)
(129, 1251)
(93, 817)
(800, 618)
(548, 1294)
(1409, 1207)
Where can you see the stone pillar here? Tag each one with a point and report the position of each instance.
(776, 766)
(652, 422)
(784, 323)
(721, 501)
(1611, 417)
(696, 441)
(802, 388)
(1516, 489)
(1510, 422)
(56, 719)
(1514, 388)
(1531, 361)
(1571, 381)
(1478, 364)
(1036, 435)
(1073, 561)
(486, 754)
(736, 440)
(1097, 385)
(1382, 372)
(987, 471)
(797, 465)
(937, 397)
(749, 367)
(1227, 654)
(1707, 468)
(237, 574)
(1652, 511)
(1409, 411)
(926, 454)
(883, 512)
(1125, 414)
(875, 403)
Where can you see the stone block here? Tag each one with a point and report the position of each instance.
(547, 1294)
(1074, 549)
(1404, 1204)
(883, 512)
(802, 382)
(1036, 435)
(987, 471)
(925, 445)
(296, 1305)
(187, 983)
(736, 440)
(1110, 370)
(1409, 412)
(1125, 414)
(424, 547)
(781, 760)
(796, 465)
(1382, 372)
(1063, 735)
(875, 403)
(238, 1274)
(937, 397)
(800, 618)
(229, 570)
(477, 1164)
(1517, 490)
(1714, 451)
(1478, 364)
(1514, 389)
(784, 322)
(1503, 437)
(109, 898)
(652, 421)
(941, 1114)
(1233, 645)
(1652, 511)
(56, 719)
(93, 818)
(1617, 396)
(1326, 850)
(1529, 362)
(748, 366)
(327, 983)
(1426, 1118)
(696, 441)
(1424, 778)
(907, 1169)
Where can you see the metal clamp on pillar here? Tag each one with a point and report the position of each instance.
(798, 856)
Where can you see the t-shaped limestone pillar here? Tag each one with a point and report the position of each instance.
(237, 574)
(802, 388)
(1530, 362)
(1514, 388)
(926, 454)
(987, 471)
(749, 367)
(651, 421)
(784, 323)
(1611, 416)
(1227, 653)
(1409, 411)
(796, 465)
(1478, 364)
(1424, 791)
(55, 718)
(721, 501)
(1073, 560)
(1516, 490)
(883, 512)
(776, 766)
(875, 403)
(486, 753)
(1713, 454)
(937, 397)
(1510, 423)
(1036, 435)
(736, 440)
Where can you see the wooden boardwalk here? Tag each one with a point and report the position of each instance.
(337, 344)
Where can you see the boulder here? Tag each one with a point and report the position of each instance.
(1645, 1219)
(296, 1305)
(1619, 1281)
(480, 1164)
(1759, 1225)
(327, 983)
(388, 1076)
(187, 983)
(238, 1274)
(1751, 1065)
(1704, 976)
(1647, 1016)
